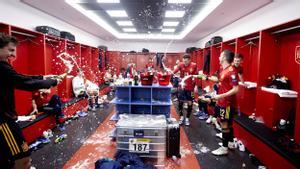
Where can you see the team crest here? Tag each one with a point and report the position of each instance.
(297, 54)
(233, 77)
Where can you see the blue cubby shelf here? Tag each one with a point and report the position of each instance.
(120, 101)
(140, 99)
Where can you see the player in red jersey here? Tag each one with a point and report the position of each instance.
(228, 87)
(150, 65)
(238, 58)
(187, 69)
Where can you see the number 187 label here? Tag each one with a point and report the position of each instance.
(139, 145)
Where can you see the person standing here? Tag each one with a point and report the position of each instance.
(186, 68)
(228, 88)
(237, 64)
(14, 149)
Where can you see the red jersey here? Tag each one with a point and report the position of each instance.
(228, 79)
(40, 98)
(239, 69)
(190, 69)
(150, 66)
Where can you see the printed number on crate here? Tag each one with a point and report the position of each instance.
(139, 145)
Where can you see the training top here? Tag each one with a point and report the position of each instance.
(11, 80)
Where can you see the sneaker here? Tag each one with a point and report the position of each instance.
(220, 151)
(213, 120)
(94, 108)
(231, 145)
(218, 127)
(181, 120)
(187, 122)
(44, 140)
(208, 121)
(197, 113)
(61, 127)
(82, 114)
(235, 142)
(241, 145)
(203, 116)
(219, 135)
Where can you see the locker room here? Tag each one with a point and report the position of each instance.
(149, 84)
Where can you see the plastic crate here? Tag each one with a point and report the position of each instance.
(151, 128)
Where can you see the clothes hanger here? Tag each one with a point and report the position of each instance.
(28, 39)
(250, 44)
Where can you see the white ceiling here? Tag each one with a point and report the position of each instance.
(226, 13)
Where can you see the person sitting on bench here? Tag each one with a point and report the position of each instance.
(42, 102)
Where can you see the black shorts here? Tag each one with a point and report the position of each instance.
(225, 113)
(12, 144)
(185, 95)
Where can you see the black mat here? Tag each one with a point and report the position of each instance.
(54, 156)
(201, 133)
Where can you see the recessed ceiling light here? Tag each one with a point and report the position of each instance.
(170, 23)
(168, 30)
(179, 1)
(108, 1)
(124, 23)
(174, 14)
(200, 16)
(129, 29)
(117, 13)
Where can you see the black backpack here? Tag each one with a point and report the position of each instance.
(216, 39)
(67, 35)
(48, 30)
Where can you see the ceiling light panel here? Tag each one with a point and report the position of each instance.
(117, 13)
(199, 17)
(179, 1)
(124, 23)
(168, 30)
(170, 23)
(129, 29)
(174, 14)
(108, 1)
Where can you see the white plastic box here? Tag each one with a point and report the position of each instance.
(144, 135)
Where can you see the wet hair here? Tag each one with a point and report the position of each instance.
(229, 55)
(6, 39)
(239, 56)
(186, 56)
